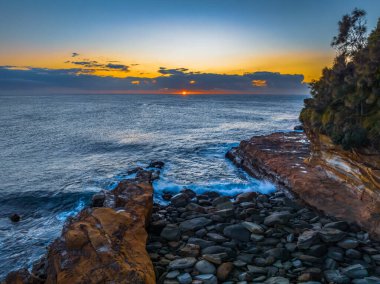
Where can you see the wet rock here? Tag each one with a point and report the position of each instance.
(218, 249)
(184, 278)
(298, 128)
(330, 235)
(190, 193)
(207, 278)
(353, 254)
(189, 250)
(348, 243)
(237, 232)
(340, 225)
(307, 239)
(216, 237)
(355, 271)
(277, 253)
(172, 274)
(200, 242)
(216, 258)
(171, 233)
(182, 263)
(98, 199)
(195, 207)
(253, 227)
(246, 197)
(257, 238)
(205, 267)
(277, 218)
(277, 280)
(156, 164)
(180, 200)
(15, 218)
(334, 276)
(224, 271)
(194, 224)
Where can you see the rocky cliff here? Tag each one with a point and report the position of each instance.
(341, 183)
(104, 243)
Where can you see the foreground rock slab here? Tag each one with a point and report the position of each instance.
(102, 244)
(287, 159)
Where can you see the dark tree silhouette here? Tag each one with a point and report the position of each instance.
(352, 33)
(345, 103)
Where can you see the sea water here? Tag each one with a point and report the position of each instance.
(56, 151)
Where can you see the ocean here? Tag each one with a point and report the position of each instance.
(56, 151)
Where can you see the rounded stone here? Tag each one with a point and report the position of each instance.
(205, 267)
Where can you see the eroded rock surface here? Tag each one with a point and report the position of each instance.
(102, 244)
(343, 184)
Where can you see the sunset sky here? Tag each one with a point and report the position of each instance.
(157, 46)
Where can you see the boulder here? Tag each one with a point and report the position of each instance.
(171, 232)
(194, 224)
(237, 232)
(205, 267)
(307, 239)
(182, 263)
(277, 218)
(180, 200)
(224, 271)
(330, 235)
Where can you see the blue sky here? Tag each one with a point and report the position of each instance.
(208, 36)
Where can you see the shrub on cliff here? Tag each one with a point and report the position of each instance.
(345, 103)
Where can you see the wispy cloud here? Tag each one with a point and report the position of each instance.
(74, 54)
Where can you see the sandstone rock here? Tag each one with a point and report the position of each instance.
(237, 232)
(103, 245)
(224, 271)
(194, 224)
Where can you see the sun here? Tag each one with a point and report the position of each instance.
(184, 93)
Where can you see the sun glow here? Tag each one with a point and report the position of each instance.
(184, 93)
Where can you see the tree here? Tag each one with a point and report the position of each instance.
(352, 33)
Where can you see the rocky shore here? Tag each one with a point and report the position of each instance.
(255, 238)
(104, 243)
(321, 174)
(302, 233)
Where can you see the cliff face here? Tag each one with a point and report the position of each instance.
(104, 243)
(359, 169)
(340, 183)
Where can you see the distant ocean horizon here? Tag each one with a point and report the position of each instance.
(56, 151)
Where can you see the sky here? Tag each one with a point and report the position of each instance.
(162, 46)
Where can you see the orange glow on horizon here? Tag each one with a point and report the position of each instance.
(184, 93)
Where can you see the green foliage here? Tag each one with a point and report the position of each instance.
(345, 103)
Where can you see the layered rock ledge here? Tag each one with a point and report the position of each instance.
(338, 183)
(104, 243)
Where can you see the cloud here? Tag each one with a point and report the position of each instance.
(120, 67)
(74, 54)
(82, 79)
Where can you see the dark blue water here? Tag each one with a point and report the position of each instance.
(56, 151)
